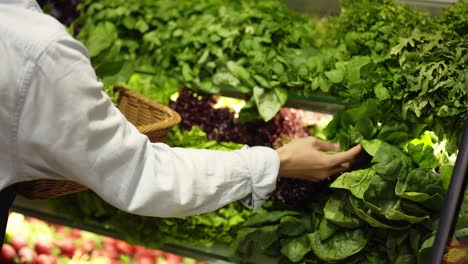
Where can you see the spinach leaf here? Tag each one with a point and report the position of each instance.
(446, 174)
(425, 250)
(261, 218)
(380, 197)
(421, 185)
(336, 212)
(374, 220)
(390, 162)
(355, 181)
(394, 132)
(251, 239)
(338, 247)
(326, 229)
(295, 249)
(423, 155)
(399, 249)
(268, 102)
(291, 226)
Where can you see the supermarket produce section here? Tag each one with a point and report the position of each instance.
(379, 73)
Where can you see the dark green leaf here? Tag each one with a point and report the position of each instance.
(263, 218)
(355, 181)
(446, 175)
(295, 249)
(338, 247)
(380, 197)
(326, 229)
(335, 211)
(420, 185)
(291, 226)
(374, 220)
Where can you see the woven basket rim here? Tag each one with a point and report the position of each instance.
(173, 117)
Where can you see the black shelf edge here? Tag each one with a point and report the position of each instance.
(321, 104)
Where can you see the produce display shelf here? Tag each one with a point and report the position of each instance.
(216, 254)
(316, 103)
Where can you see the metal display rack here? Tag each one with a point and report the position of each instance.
(451, 208)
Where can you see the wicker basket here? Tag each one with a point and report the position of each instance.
(150, 118)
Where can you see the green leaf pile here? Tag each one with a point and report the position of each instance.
(382, 211)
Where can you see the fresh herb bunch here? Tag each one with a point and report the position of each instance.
(206, 45)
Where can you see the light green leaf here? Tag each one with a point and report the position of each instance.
(282, 95)
(355, 181)
(268, 103)
(101, 37)
(335, 76)
(381, 92)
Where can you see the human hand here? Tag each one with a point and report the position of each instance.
(306, 159)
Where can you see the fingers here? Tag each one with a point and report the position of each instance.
(324, 145)
(345, 157)
(337, 170)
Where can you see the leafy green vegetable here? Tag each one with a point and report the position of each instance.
(422, 155)
(326, 229)
(335, 211)
(259, 218)
(374, 220)
(421, 185)
(206, 46)
(446, 175)
(356, 182)
(295, 249)
(291, 226)
(389, 161)
(380, 198)
(338, 247)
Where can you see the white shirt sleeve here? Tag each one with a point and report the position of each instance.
(69, 129)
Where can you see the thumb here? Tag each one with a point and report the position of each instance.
(346, 156)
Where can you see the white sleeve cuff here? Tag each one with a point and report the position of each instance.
(263, 165)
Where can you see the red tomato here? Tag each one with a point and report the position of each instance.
(172, 258)
(123, 247)
(75, 233)
(46, 259)
(18, 242)
(146, 260)
(43, 246)
(88, 245)
(27, 255)
(67, 248)
(7, 254)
